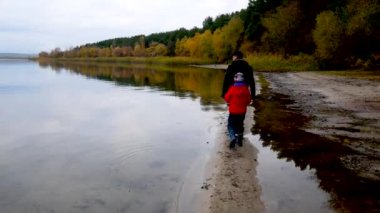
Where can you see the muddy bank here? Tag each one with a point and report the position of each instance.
(324, 123)
(343, 109)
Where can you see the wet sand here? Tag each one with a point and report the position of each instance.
(231, 184)
(338, 111)
(344, 109)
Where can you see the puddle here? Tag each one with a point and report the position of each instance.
(301, 171)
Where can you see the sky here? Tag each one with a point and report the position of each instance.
(28, 26)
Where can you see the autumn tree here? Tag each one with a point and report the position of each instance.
(281, 28)
(360, 12)
(327, 34)
(43, 54)
(255, 11)
(117, 52)
(156, 49)
(105, 52)
(361, 28)
(347, 35)
(192, 45)
(206, 49)
(161, 50)
(180, 48)
(220, 46)
(56, 52)
(139, 49)
(127, 51)
(225, 40)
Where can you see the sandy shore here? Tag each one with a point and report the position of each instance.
(345, 109)
(212, 66)
(231, 184)
(338, 107)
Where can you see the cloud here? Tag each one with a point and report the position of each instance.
(32, 26)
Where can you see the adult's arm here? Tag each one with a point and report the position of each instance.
(227, 81)
(252, 85)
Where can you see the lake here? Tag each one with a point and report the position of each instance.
(93, 138)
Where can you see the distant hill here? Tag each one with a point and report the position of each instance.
(16, 55)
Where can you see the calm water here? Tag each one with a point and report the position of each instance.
(73, 143)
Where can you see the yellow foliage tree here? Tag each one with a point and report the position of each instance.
(359, 12)
(139, 49)
(233, 31)
(218, 45)
(192, 45)
(225, 40)
(105, 52)
(327, 34)
(156, 49)
(206, 49)
(117, 52)
(161, 50)
(280, 26)
(180, 48)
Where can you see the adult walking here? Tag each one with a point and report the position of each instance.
(242, 66)
(237, 80)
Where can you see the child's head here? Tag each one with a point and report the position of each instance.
(239, 77)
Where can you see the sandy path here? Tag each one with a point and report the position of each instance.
(232, 185)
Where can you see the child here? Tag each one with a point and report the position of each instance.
(238, 98)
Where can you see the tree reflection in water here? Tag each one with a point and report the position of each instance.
(181, 81)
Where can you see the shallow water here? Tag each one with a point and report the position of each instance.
(73, 143)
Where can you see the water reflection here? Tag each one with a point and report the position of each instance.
(74, 144)
(182, 81)
(281, 128)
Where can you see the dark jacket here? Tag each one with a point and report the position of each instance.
(238, 98)
(243, 67)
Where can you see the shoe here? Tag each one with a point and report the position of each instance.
(239, 140)
(232, 144)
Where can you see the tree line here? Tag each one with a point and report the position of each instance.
(337, 33)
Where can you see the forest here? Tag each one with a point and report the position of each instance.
(335, 34)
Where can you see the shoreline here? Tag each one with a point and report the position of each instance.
(231, 184)
(344, 109)
(212, 66)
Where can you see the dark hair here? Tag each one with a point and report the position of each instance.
(238, 54)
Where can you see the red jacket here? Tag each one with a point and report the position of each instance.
(238, 97)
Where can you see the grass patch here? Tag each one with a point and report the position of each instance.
(271, 62)
(357, 74)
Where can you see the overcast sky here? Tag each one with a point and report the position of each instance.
(31, 26)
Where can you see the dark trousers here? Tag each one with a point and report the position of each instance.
(235, 125)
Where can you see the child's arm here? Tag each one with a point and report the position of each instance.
(227, 96)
